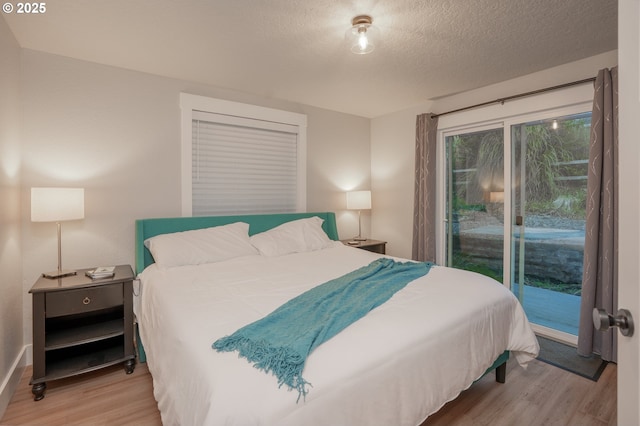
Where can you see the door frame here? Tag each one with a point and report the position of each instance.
(628, 390)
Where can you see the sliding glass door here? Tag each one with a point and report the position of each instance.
(549, 186)
(540, 233)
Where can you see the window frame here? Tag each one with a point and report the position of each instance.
(193, 103)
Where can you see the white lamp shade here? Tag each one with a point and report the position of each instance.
(57, 204)
(359, 200)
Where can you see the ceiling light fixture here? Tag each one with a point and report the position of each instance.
(362, 36)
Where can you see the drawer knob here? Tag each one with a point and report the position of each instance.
(86, 301)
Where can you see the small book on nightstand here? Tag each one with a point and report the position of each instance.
(101, 272)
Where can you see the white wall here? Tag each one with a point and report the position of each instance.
(11, 295)
(338, 160)
(393, 145)
(117, 134)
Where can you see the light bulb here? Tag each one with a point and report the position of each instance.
(363, 42)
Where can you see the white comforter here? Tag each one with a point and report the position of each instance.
(397, 365)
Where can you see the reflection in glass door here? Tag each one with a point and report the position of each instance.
(549, 185)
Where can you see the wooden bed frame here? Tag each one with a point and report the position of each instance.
(147, 228)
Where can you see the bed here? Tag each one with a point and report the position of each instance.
(397, 365)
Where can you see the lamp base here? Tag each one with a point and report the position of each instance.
(59, 273)
(359, 238)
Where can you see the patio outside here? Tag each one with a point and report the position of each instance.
(553, 254)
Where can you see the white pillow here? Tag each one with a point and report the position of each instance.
(314, 235)
(297, 236)
(207, 245)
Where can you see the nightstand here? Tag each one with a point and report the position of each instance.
(80, 325)
(369, 245)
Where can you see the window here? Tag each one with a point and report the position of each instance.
(514, 208)
(241, 159)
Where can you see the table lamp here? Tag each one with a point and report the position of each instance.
(359, 200)
(57, 205)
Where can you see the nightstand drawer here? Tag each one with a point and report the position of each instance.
(71, 302)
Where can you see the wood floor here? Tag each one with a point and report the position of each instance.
(101, 398)
(540, 395)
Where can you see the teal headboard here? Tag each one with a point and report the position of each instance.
(147, 228)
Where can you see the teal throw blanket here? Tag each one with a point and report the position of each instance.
(281, 341)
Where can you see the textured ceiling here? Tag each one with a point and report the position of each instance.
(295, 50)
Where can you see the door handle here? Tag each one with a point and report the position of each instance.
(623, 320)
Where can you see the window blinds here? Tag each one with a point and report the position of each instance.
(242, 166)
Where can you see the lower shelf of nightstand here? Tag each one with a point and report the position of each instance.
(69, 363)
(86, 333)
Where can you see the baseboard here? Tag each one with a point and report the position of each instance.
(10, 383)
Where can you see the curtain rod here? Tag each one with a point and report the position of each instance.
(521, 95)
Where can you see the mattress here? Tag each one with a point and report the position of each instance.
(397, 365)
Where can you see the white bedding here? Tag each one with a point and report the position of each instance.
(397, 365)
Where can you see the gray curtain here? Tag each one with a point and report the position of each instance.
(600, 274)
(424, 197)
